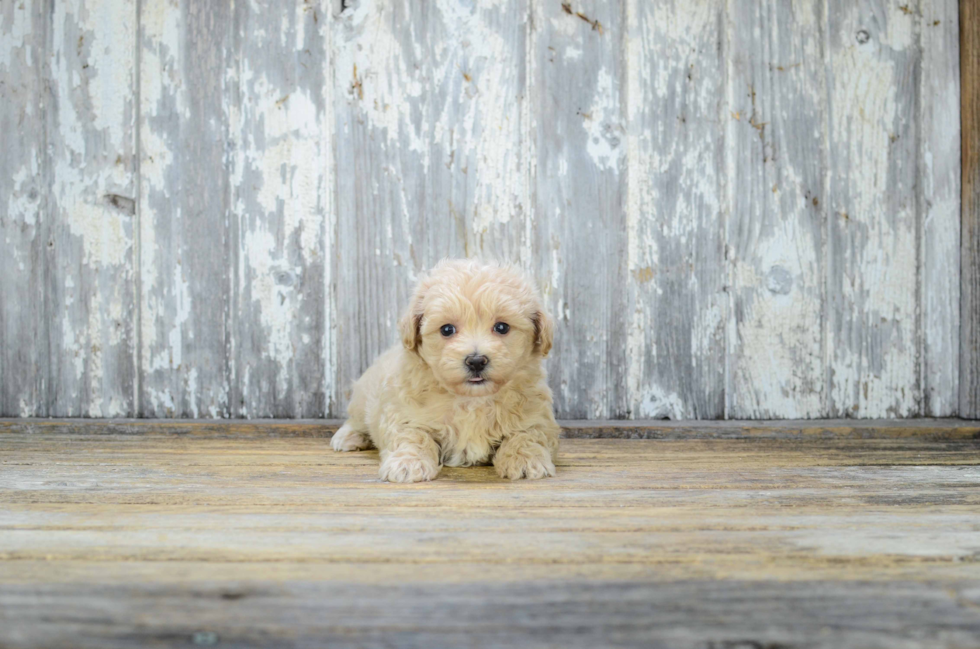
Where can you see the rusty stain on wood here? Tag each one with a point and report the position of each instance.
(644, 274)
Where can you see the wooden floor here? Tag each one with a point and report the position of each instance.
(141, 534)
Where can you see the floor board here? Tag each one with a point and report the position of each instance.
(119, 535)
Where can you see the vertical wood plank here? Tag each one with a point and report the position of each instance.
(24, 179)
(578, 180)
(677, 271)
(777, 162)
(969, 25)
(873, 329)
(429, 104)
(277, 101)
(939, 206)
(91, 140)
(187, 256)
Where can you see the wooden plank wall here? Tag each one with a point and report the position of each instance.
(734, 209)
(970, 297)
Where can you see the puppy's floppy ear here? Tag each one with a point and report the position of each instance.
(544, 331)
(410, 324)
(410, 327)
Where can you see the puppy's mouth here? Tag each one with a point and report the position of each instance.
(477, 385)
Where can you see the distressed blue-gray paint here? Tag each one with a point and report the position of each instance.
(742, 209)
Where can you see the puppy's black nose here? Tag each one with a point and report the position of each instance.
(476, 363)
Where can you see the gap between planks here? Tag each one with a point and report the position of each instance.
(930, 429)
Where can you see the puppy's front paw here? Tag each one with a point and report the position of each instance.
(409, 465)
(515, 461)
(348, 439)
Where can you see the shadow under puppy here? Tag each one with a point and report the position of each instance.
(466, 386)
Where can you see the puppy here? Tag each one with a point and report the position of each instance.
(466, 385)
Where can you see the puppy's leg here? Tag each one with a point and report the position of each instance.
(352, 436)
(409, 456)
(526, 454)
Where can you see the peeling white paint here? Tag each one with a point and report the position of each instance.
(776, 88)
(443, 125)
(160, 65)
(96, 107)
(656, 404)
(899, 32)
(673, 206)
(940, 186)
(467, 89)
(874, 354)
(19, 202)
(384, 87)
(603, 125)
(281, 175)
(90, 139)
(160, 58)
(278, 308)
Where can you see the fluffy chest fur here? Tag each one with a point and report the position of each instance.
(471, 433)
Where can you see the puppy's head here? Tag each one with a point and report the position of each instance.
(476, 326)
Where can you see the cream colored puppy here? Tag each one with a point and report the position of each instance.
(465, 386)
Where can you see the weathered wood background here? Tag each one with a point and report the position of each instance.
(742, 209)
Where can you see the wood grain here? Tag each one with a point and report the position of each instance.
(969, 396)
(578, 179)
(71, 219)
(873, 233)
(939, 207)
(279, 98)
(117, 539)
(90, 301)
(777, 157)
(24, 205)
(675, 215)
(692, 613)
(234, 211)
(187, 252)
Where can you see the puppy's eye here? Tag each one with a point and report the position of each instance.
(501, 328)
(447, 330)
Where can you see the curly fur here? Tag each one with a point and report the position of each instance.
(417, 403)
